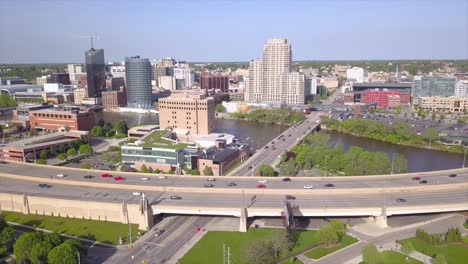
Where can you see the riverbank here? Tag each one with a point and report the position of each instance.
(399, 135)
(276, 116)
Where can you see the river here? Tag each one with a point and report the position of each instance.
(258, 134)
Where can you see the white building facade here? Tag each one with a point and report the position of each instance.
(356, 74)
(461, 88)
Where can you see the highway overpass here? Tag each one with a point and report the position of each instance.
(106, 199)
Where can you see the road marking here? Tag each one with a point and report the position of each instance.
(156, 244)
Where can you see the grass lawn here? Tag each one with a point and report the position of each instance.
(210, 248)
(465, 225)
(288, 261)
(392, 257)
(455, 253)
(320, 252)
(107, 232)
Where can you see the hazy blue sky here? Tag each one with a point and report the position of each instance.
(232, 30)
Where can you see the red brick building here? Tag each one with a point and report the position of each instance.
(210, 81)
(381, 98)
(55, 120)
(114, 99)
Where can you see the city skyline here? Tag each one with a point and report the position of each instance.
(226, 31)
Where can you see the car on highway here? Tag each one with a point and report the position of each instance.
(400, 200)
(273, 148)
(261, 186)
(452, 175)
(119, 178)
(211, 179)
(44, 186)
(266, 147)
(308, 186)
(162, 177)
(208, 185)
(231, 184)
(289, 135)
(286, 179)
(289, 197)
(422, 182)
(250, 167)
(416, 178)
(263, 181)
(145, 179)
(284, 140)
(88, 177)
(329, 185)
(61, 175)
(158, 233)
(136, 193)
(106, 175)
(175, 197)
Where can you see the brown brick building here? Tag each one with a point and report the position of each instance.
(210, 81)
(55, 120)
(187, 110)
(114, 99)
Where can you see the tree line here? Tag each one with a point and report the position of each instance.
(281, 116)
(106, 129)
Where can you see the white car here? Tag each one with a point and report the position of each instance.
(211, 179)
(145, 179)
(162, 177)
(136, 193)
(308, 186)
(61, 175)
(263, 181)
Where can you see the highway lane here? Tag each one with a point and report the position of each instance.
(205, 200)
(271, 153)
(344, 182)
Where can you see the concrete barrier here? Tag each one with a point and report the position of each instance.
(255, 178)
(234, 190)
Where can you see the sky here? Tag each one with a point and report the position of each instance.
(53, 31)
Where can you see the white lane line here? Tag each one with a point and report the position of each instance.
(156, 244)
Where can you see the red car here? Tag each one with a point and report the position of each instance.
(106, 175)
(261, 186)
(119, 178)
(416, 178)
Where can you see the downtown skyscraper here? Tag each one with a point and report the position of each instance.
(95, 72)
(271, 78)
(138, 80)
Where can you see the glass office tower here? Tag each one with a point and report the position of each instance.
(95, 72)
(138, 80)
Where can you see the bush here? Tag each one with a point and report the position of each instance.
(62, 156)
(86, 148)
(113, 148)
(71, 152)
(41, 161)
(86, 165)
(453, 235)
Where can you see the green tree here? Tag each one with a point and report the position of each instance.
(43, 154)
(3, 224)
(41, 161)
(7, 238)
(106, 156)
(101, 122)
(53, 238)
(266, 170)
(220, 108)
(207, 171)
(121, 127)
(194, 172)
(86, 148)
(432, 134)
(288, 168)
(40, 251)
(72, 152)
(339, 227)
(370, 255)
(62, 156)
(440, 259)
(143, 168)
(65, 253)
(97, 131)
(6, 101)
(25, 243)
(400, 163)
(259, 252)
(328, 236)
(77, 245)
(61, 148)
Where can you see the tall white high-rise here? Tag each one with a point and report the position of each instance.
(270, 78)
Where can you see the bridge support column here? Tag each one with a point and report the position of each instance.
(243, 220)
(146, 217)
(381, 220)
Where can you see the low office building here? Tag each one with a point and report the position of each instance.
(114, 99)
(140, 131)
(21, 114)
(56, 120)
(450, 104)
(158, 150)
(29, 149)
(79, 94)
(221, 160)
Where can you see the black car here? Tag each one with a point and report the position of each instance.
(286, 179)
(88, 176)
(44, 186)
(266, 147)
(452, 175)
(208, 185)
(250, 167)
(284, 139)
(423, 182)
(231, 184)
(400, 200)
(289, 197)
(175, 197)
(329, 185)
